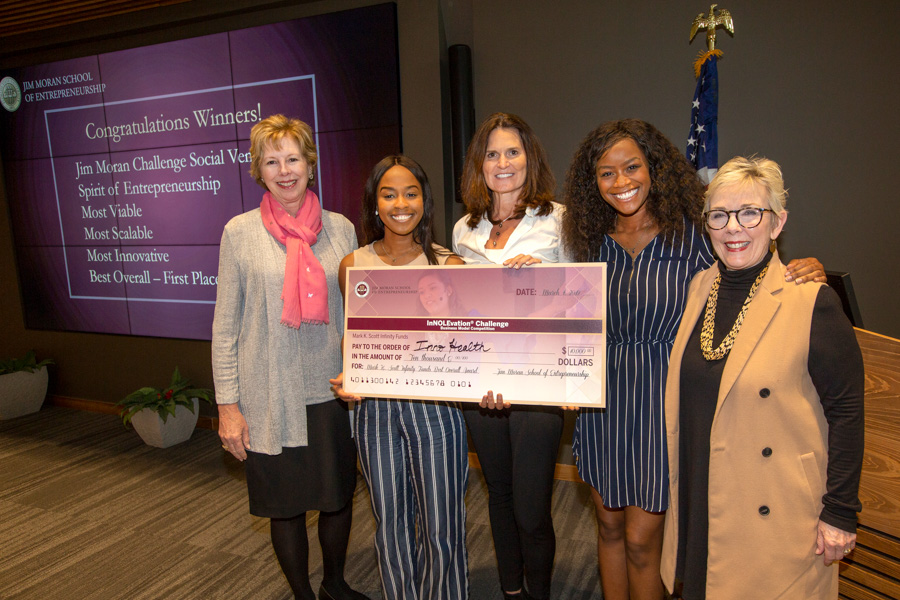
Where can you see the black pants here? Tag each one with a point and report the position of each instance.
(517, 449)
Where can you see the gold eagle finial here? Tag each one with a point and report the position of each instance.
(710, 22)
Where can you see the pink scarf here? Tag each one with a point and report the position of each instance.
(305, 291)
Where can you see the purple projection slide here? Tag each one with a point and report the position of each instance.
(122, 169)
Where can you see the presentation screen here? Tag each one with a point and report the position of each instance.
(121, 169)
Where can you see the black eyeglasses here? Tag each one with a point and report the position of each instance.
(748, 218)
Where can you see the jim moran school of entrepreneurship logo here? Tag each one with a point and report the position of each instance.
(10, 94)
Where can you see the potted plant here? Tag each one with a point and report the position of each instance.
(23, 385)
(164, 417)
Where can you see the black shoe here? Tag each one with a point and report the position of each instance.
(350, 595)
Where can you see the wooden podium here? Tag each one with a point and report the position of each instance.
(872, 570)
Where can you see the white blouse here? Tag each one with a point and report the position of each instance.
(535, 236)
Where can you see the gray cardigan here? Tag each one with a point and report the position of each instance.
(271, 370)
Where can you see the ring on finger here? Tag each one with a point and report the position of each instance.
(847, 551)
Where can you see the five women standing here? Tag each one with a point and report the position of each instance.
(634, 202)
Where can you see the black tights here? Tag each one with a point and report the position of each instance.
(292, 549)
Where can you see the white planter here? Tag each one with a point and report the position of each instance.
(175, 430)
(22, 393)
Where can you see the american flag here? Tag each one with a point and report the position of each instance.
(703, 140)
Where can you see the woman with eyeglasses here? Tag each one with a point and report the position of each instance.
(764, 413)
(634, 202)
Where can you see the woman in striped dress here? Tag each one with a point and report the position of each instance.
(413, 454)
(634, 202)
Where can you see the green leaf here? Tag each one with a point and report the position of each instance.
(155, 398)
(28, 363)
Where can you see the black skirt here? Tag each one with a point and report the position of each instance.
(320, 476)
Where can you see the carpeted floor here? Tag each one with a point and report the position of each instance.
(87, 511)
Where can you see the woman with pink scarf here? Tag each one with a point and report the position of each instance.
(277, 327)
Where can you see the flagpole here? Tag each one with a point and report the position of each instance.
(703, 138)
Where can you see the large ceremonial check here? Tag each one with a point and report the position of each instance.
(536, 335)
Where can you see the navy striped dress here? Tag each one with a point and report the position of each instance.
(621, 449)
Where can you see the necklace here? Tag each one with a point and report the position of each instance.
(634, 248)
(709, 320)
(394, 258)
(499, 226)
(643, 228)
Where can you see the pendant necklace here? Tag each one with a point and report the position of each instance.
(645, 227)
(394, 258)
(499, 226)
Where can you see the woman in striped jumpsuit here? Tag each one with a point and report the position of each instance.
(413, 453)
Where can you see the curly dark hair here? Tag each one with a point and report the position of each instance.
(539, 181)
(676, 192)
(372, 226)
